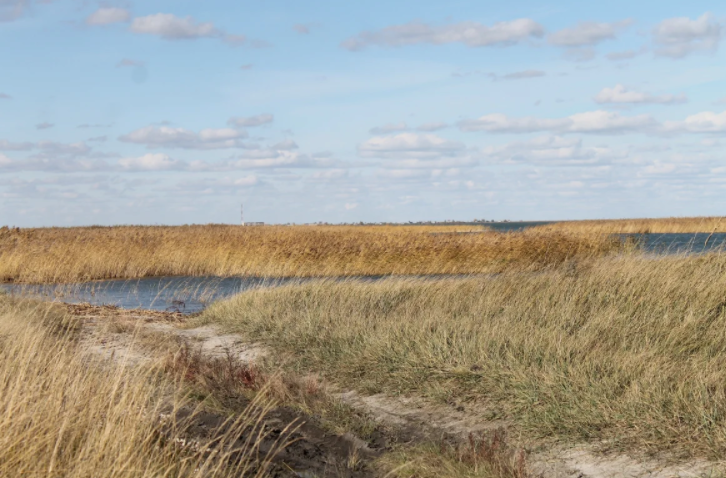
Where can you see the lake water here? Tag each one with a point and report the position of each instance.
(174, 294)
(679, 243)
(192, 294)
(182, 294)
(499, 226)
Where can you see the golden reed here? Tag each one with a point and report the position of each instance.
(88, 253)
(641, 226)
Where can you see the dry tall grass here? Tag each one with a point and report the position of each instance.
(63, 414)
(640, 226)
(79, 254)
(628, 348)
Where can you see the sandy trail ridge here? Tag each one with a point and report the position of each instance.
(421, 419)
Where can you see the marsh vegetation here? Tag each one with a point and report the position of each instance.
(641, 226)
(577, 339)
(59, 255)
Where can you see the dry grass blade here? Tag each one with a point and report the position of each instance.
(65, 413)
(481, 456)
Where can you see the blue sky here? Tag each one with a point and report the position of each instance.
(162, 112)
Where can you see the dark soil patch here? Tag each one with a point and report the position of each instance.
(312, 451)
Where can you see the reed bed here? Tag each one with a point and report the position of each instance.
(630, 349)
(64, 413)
(640, 226)
(86, 253)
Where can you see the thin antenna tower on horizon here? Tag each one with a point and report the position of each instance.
(242, 213)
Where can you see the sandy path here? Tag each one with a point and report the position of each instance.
(435, 421)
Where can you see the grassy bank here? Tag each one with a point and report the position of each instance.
(640, 226)
(79, 254)
(630, 349)
(66, 414)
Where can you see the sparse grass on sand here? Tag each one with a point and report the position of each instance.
(640, 226)
(66, 414)
(129, 252)
(629, 349)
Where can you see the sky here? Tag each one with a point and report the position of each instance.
(178, 112)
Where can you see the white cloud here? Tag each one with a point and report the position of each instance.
(587, 33)
(150, 162)
(79, 157)
(271, 158)
(519, 75)
(592, 122)
(626, 54)
(165, 136)
(241, 40)
(6, 145)
(211, 135)
(410, 145)
(250, 121)
(48, 147)
(108, 15)
(331, 174)
(280, 155)
(245, 181)
(610, 123)
(621, 94)
(403, 173)
(500, 123)
(54, 148)
(659, 168)
(551, 151)
(285, 145)
(679, 37)
(469, 33)
(217, 187)
(389, 128)
(55, 164)
(171, 27)
(262, 159)
(704, 122)
(434, 162)
(436, 126)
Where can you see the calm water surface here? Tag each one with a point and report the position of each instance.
(175, 294)
(680, 243)
(183, 294)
